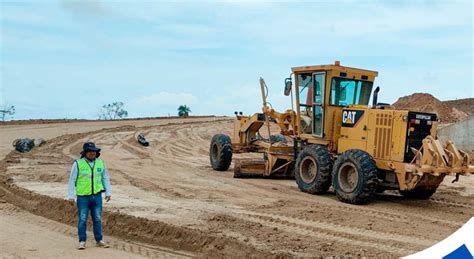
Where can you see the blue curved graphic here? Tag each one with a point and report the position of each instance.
(461, 253)
(459, 245)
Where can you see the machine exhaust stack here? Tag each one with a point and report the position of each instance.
(376, 94)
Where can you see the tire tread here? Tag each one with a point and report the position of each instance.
(325, 163)
(224, 158)
(366, 164)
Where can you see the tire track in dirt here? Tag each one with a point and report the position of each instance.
(327, 226)
(141, 154)
(183, 139)
(451, 203)
(134, 248)
(196, 129)
(184, 146)
(319, 231)
(126, 226)
(382, 211)
(388, 214)
(147, 185)
(321, 207)
(178, 147)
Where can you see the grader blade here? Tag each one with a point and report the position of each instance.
(249, 168)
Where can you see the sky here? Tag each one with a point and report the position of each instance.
(65, 59)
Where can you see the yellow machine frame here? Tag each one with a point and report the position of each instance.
(380, 131)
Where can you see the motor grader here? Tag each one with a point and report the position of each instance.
(336, 138)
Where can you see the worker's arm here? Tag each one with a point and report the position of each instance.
(71, 187)
(106, 183)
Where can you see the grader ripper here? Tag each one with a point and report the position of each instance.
(337, 139)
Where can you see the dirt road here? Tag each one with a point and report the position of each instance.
(24, 234)
(179, 202)
(27, 235)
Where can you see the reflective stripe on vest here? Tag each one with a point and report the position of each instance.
(89, 180)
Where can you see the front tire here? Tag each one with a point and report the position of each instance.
(354, 177)
(313, 169)
(220, 152)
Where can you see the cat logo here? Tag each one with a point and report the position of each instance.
(351, 117)
(348, 117)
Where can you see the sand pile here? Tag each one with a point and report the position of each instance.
(422, 102)
(466, 105)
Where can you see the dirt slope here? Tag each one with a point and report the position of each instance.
(24, 234)
(465, 105)
(168, 195)
(27, 235)
(423, 102)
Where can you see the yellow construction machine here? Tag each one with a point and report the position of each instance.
(332, 136)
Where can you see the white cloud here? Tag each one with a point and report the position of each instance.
(167, 98)
(159, 104)
(246, 98)
(216, 51)
(329, 29)
(187, 28)
(84, 9)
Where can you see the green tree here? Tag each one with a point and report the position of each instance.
(113, 111)
(183, 111)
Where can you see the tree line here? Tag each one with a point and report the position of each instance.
(116, 111)
(111, 111)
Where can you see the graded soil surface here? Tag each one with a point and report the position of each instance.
(167, 201)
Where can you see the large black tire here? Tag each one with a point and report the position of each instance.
(354, 177)
(220, 152)
(420, 193)
(313, 169)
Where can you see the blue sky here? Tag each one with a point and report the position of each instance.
(65, 59)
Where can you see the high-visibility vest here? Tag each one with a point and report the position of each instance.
(89, 179)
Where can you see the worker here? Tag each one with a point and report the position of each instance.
(88, 180)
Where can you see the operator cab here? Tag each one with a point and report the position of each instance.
(321, 93)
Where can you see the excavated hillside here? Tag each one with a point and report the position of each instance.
(466, 105)
(423, 102)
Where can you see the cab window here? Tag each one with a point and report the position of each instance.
(346, 91)
(305, 86)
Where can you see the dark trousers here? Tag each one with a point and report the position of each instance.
(92, 203)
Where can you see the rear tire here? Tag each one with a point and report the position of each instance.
(220, 152)
(354, 177)
(313, 169)
(420, 194)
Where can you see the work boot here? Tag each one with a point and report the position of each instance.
(82, 245)
(101, 243)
